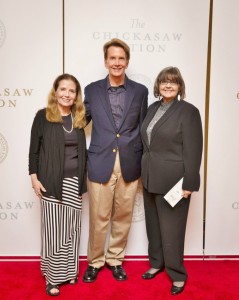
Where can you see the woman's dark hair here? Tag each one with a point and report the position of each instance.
(173, 74)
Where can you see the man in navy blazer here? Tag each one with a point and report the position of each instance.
(117, 106)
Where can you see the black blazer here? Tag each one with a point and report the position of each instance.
(106, 138)
(175, 149)
(47, 153)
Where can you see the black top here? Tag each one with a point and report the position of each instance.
(71, 148)
(47, 155)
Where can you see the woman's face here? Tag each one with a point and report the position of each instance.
(66, 94)
(168, 89)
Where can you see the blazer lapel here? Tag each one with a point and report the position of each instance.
(104, 97)
(129, 96)
(165, 117)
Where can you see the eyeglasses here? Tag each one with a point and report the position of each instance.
(170, 82)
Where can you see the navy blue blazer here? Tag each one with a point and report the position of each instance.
(106, 138)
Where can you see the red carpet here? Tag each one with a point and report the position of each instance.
(208, 280)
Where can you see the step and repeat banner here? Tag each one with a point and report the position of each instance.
(222, 214)
(30, 59)
(159, 33)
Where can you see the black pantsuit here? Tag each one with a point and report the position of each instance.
(174, 152)
(166, 227)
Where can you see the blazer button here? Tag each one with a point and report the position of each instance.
(114, 150)
(118, 135)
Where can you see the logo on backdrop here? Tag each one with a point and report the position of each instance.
(3, 148)
(138, 212)
(9, 97)
(2, 33)
(9, 211)
(235, 205)
(139, 39)
(147, 82)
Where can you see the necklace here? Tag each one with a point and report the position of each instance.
(69, 131)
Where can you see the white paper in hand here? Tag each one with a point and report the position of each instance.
(175, 194)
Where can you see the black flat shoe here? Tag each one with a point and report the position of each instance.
(148, 275)
(50, 287)
(118, 272)
(176, 289)
(90, 274)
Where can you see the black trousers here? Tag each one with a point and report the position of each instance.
(166, 226)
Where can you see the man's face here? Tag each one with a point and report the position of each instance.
(116, 62)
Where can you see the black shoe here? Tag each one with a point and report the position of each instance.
(50, 287)
(176, 289)
(90, 274)
(148, 275)
(118, 272)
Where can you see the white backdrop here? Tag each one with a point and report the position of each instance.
(160, 33)
(30, 59)
(222, 215)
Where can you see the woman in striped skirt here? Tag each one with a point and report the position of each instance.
(57, 165)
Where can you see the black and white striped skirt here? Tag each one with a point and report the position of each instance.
(60, 234)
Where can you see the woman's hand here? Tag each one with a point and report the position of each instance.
(185, 194)
(37, 186)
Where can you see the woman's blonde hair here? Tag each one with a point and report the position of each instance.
(78, 110)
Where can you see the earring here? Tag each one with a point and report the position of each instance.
(179, 98)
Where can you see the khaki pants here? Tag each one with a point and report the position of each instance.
(112, 201)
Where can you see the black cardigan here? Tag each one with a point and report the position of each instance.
(46, 155)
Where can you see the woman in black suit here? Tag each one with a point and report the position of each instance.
(172, 139)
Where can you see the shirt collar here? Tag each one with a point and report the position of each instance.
(124, 85)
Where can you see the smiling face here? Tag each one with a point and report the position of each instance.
(168, 89)
(116, 62)
(65, 95)
(169, 83)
